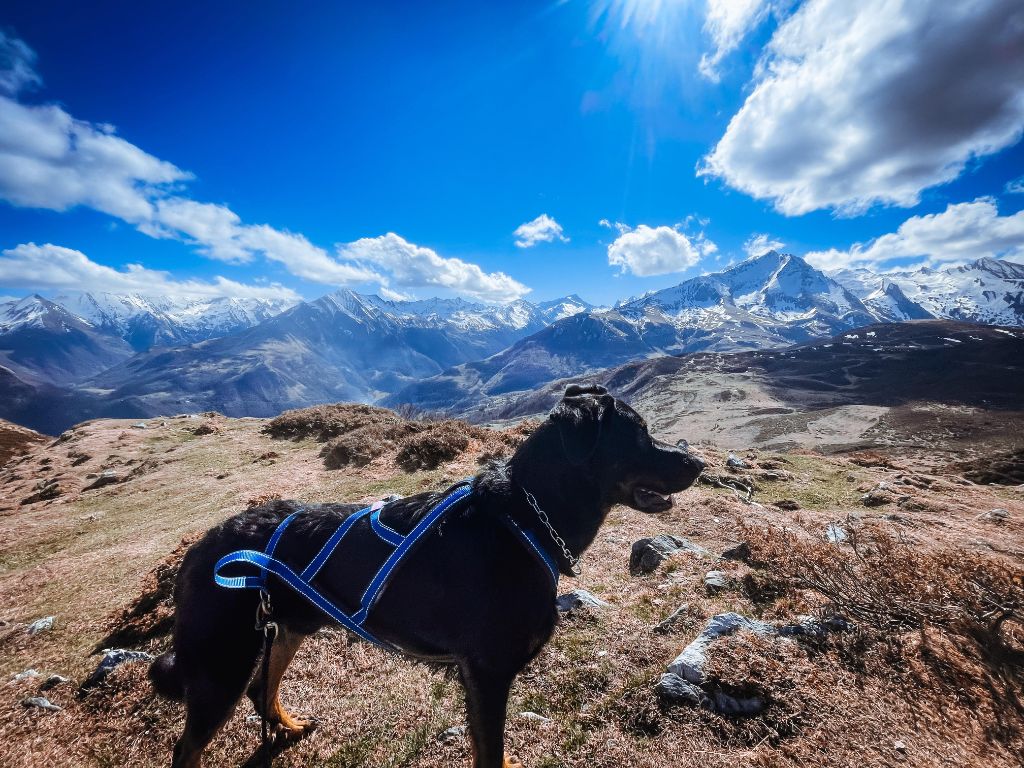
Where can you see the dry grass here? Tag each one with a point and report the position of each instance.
(101, 561)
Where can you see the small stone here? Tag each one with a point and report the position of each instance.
(534, 717)
(455, 733)
(668, 624)
(140, 425)
(41, 625)
(790, 505)
(53, 681)
(835, 533)
(740, 552)
(106, 477)
(28, 674)
(40, 702)
(899, 746)
(577, 599)
(998, 515)
(717, 581)
(672, 689)
(734, 462)
(112, 659)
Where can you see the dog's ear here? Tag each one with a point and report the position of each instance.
(580, 417)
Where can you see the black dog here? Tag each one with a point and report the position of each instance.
(471, 594)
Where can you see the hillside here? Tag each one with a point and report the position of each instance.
(886, 693)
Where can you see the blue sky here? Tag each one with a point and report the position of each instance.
(271, 151)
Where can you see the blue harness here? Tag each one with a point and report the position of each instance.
(403, 544)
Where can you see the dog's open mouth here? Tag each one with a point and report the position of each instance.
(647, 500)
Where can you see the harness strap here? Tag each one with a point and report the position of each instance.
(293, 580)
(300, 582)
(389, 534)
(374, 588)
(534, 546)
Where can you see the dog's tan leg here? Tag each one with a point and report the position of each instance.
(509, 764)
(283, 723)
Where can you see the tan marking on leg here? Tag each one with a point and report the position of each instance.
(283, 723)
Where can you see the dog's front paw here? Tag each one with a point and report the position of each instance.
(292, 729)
(509, 764)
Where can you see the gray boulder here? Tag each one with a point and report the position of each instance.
(647, 554)
(577, 599)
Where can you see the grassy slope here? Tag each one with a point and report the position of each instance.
(84, 556)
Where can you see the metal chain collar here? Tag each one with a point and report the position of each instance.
(574, 563)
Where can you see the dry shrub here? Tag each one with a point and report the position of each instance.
(884, 582)
(1001, 469)
(364, 444)
(443, 442)
(323, 422)
(151, 614)
(946, 622)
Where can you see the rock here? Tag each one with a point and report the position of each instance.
(877, 496)
(647, 554)
(717, 581)
(112, 659)
(41, 625)
(776, 475)
(106, 477)
(835, 533)
(691, 662)
(455, 733)
(53, 681)
(534, 717)
(790, 505)
(577, 599)
(206, 428)
(899, 746)
(737, 705)
(28, 674)
(687, 679)
(998, 515)
(734, 462)
(668, 624)
(672, 689)
(40, 702)
(740, 552)
(140, 425)
(45, 490)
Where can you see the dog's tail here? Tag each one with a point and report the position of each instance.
(166, 677)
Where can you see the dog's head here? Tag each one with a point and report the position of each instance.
(611, 439)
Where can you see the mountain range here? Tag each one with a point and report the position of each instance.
(85, 354)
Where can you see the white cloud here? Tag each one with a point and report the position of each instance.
(1015, 186)
(54, 268)
(648, 251)
(543, 229)
(414, 266)
(758, 244)
(17, 65)
(859, 103)
(727, 22)
(963, 232)
(49, 159)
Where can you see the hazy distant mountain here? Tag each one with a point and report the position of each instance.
(148, 321)
(343, 346)
(41, 341)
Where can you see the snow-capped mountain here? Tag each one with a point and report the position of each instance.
(342, 346)
(989, 291)
(771, 300)
(41, 341)
(156, 321)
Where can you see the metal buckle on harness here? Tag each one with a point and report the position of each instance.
(263, 617)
